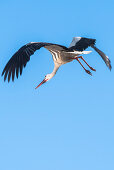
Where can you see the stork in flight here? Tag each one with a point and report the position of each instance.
(61, 55)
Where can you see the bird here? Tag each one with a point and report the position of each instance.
(60, 54)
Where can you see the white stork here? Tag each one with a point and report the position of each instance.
(61, 55)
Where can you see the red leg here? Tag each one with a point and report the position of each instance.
(87, 64)
(87, 71)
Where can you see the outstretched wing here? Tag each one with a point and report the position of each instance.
(80, 44)
(22, 56)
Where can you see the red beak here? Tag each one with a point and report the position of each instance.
(41, 83)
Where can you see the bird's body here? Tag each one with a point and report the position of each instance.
(61, 55)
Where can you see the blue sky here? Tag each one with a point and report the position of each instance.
(68, 123)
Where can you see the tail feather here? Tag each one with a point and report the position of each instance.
(104, 57)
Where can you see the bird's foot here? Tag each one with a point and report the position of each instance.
(87, 71)
(92, 69)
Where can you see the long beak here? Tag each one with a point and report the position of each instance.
(41, 83)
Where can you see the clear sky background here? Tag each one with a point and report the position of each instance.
(68, 123)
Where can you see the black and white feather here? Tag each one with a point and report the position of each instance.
(80, 44)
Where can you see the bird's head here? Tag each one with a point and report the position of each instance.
(47, 77)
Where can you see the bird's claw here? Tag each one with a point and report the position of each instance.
(87, 71)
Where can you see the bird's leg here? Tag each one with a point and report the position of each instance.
(87, 64)
(87, 71)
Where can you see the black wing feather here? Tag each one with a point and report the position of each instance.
(20, 59)
(22, 56)
(13, 73)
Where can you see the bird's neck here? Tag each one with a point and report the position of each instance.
(56, 67)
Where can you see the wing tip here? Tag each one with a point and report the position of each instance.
(109, 65)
